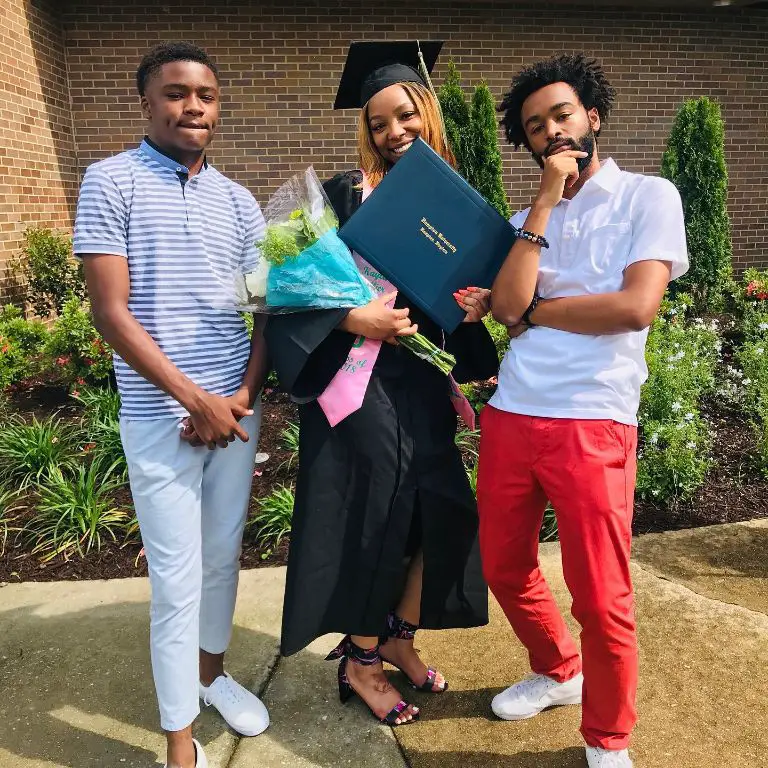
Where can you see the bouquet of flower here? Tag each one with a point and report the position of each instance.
(304, 265)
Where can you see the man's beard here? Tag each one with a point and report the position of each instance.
(585, 144)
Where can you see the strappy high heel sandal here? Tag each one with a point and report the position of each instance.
(347, 651)
(401, 629)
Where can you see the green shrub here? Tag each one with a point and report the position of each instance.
(101, 428)
(473, 135)
(695, 162)
(289, 439)
(274, 517)
(675, 451)
(76, 513)
(76, 349)
(498, 334)
(456, 115)
(484, 155)
(753, 357)
(21, 345)
(30, 452)
(8, 510)
(48, 269)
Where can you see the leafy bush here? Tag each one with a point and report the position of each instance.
(274, 517)
(76, 513)
(484, 155)
(48, 269)
(498, 334)
(21, 344)
(289, 439)
(453, 104)
(694, 162)
(473, 135)
(76, 348)
(8, 511)
(753, 356)
(682, 355)
(30, 452)
(101, 427)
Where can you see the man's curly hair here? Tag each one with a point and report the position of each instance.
(583, 74)
(166, 53)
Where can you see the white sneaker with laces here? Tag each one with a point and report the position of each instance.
(243, 711)
(608, 758)
(537, 692)
(201, 761)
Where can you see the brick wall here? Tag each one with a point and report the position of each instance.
(38, 168)
(281, 60)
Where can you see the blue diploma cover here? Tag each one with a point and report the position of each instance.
(430, 234)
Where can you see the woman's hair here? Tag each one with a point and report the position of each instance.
(583, 74)
(373, 164)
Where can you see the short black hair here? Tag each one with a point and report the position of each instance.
(583, 74)
(165, 53)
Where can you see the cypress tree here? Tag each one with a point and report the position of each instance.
(694, 162)
(485, 156)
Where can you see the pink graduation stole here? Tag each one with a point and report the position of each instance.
(345, 393)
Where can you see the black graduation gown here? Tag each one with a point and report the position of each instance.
(385, 481)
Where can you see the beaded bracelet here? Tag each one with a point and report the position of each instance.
(533, 238)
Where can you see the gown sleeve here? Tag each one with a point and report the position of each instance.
(476, 357)
(306, 348)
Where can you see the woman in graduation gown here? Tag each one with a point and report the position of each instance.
(384, 535)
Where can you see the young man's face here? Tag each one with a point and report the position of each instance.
(554, 119)
(181, 103)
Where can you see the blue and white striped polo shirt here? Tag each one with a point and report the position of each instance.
(185, 239)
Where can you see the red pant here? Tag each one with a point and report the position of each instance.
(587, 470)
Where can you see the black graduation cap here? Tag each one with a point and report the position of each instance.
(372, 66)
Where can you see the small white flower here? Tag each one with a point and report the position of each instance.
(681, 425)
(690, 445)
(672, 311)
(689, 417)
(759, 350)
(654, 438)
(676, 406)
(746, 381)
(763, 326)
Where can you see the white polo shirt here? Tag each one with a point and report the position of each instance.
(616, 219)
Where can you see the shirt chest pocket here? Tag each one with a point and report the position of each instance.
(607, 247)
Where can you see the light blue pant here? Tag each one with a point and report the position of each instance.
(191, 504)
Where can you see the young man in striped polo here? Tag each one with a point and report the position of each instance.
(161, 234)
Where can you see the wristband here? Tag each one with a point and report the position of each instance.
(526, 318)
(532, 237)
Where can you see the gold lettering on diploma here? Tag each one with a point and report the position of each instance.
(438, 239)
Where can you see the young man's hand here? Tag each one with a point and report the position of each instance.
(513, 331)
(214, 421)
(560, 171)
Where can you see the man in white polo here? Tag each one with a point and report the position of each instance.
(161, 234)
(578, 291)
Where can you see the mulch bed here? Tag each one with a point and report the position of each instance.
(735, 491)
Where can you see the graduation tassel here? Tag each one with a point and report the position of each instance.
(424, 72)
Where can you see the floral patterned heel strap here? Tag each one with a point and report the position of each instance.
(346, 648)
(400, 628)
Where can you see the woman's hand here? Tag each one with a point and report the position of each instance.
(476, 302)
(375, 320)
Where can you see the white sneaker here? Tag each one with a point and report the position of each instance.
(608, 758)
(242, 710)
(201, 761)
(530, 696)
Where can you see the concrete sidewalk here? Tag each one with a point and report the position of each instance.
(76, 691)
